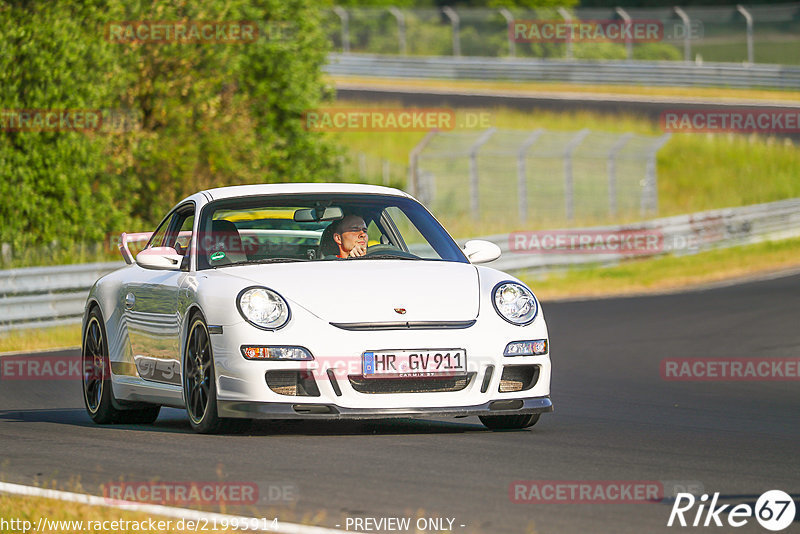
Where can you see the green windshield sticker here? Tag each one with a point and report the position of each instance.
(217, 255)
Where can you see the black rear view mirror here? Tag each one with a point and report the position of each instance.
(318, 214)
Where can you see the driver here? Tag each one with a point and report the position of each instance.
(350, 235)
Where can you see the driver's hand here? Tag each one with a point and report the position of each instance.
(358, 251)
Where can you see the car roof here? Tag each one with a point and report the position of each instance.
(283, 189)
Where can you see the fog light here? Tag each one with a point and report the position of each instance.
(535, 347)
(260, 352)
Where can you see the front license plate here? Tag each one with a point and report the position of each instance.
(415, 363)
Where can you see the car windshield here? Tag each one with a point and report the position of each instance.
(302, 227)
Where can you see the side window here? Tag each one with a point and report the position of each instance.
(175, 232)
(157, 240)
(179, 234)
(184, 236)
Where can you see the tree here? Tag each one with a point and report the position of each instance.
(199, 115)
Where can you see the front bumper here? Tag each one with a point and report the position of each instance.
(287, 410)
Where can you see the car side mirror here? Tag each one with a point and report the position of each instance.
(480, 251)
(161, 258)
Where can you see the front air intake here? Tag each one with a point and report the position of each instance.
(410, 385)
(292, 383)
(518, 378)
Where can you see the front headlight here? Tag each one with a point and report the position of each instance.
(515, 303)
(263, 308)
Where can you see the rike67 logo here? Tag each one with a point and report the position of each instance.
(774, 510)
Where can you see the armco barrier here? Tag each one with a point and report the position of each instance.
(681, 234)
(672, 73)
(48, 296)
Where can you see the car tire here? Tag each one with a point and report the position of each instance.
(199, 383)
(509, 422)
(98, 395)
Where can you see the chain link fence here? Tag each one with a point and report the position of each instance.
(369, 169)
(749, 34)
(537, 177)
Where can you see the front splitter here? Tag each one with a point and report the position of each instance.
(287, 410)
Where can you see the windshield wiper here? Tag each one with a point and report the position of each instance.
(265, 260)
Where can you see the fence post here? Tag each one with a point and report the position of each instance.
(612, 172)
(749, 19)
(473, 171)
(568, 18)
(345, 18)
(362, 166)
(522, 178)
(628, 43)
(413, 165)
(385, 171)
(512, 45)
(401, 29)
(455, 22)
(687, 43)
(568, 185)
(343, 173)
(649, 201)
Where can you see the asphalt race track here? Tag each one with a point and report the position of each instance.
(615, 419)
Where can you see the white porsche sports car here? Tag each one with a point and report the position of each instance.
(313, 301)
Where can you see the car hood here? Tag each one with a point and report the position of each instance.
(370, 291)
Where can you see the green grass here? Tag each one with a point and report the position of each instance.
(33, 339)
(764, 51)
(701, 171)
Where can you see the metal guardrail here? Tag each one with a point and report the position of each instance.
(588, 72)
(679, 235)
(49, 296)
(53, 279)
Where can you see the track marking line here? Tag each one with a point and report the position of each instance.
(157, 509)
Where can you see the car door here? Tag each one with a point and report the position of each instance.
(151, 304)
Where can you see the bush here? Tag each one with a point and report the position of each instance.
(206, 114)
